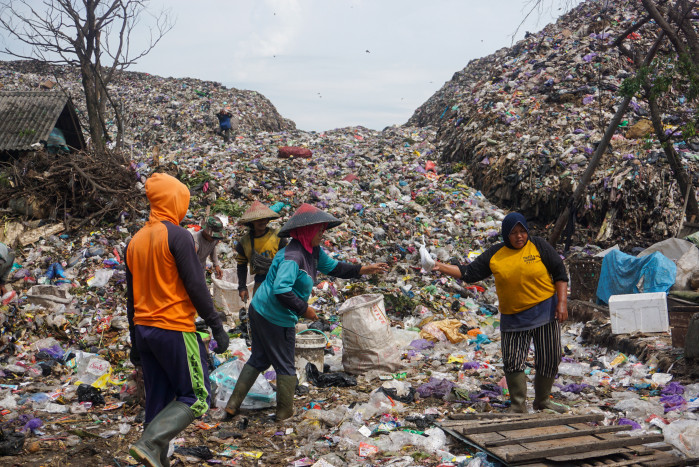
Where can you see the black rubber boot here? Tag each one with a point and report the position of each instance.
(245, 381)
(152, 448)
(286, 386)
(542, 397)
(517, 386)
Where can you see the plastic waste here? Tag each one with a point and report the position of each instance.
(11, 443)
(684, 435)
(325, 380)
(100, 278)
(260, 396)
(426, 260)
(94, 371)
(87, 393)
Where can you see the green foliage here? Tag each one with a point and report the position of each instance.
(422, 200)
(228, 207)
(196, 179)
(399, 304)
(5, 180)
(689, 130)
(23, 133)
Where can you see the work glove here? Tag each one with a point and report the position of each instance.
(221, 338)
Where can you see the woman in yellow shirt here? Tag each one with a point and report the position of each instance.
(532, 286)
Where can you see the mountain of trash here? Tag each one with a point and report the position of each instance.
(525, 121)
(157, 111)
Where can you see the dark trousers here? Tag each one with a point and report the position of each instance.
(174, 368)
(547, 349)
(271, 345)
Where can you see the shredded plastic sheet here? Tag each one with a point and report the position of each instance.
(625, 274)
(435, 388)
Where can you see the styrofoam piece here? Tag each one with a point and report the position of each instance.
(641, 312)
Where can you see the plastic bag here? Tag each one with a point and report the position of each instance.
(684, 435)
(435, 388)
(87, 393)
(93, 371)
(326, 380)
(260, 396)
(101, 278)
(202, 452)
(11, 443)
(426, 260)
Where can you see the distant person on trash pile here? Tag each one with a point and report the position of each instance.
(205, 241)
(224, 123)
(532, 286)
(282, 299)
(7, 259)
(165, 289)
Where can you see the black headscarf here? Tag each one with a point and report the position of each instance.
(509, 223)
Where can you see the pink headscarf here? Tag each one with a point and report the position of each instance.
(306, 233)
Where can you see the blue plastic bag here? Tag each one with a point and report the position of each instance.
(626, 274)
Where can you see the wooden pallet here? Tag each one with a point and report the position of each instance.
(540, 440)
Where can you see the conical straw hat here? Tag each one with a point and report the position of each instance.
(256, 212)
(308, 215)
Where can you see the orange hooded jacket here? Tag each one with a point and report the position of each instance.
(165, 282)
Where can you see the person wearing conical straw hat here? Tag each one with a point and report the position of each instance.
(283, 298)
(256, 249)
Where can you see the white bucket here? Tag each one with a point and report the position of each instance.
(311, 346)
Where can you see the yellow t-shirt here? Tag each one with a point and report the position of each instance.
(521, 278)
(266, 245)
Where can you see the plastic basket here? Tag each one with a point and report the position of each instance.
(584, 276)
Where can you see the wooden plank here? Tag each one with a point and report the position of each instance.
(494, 425)
(485, 438)
(571, 434)
(672, 461)
(638, 460)
(585, 455)
(481, 415)
(596, 444)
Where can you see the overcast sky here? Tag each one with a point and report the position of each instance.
(334, 63)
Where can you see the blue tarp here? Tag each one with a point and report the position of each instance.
(622, 273)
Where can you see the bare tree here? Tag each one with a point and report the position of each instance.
(93, 35)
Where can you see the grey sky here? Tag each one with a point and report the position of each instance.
(333, 63)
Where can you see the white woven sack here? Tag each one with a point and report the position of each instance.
(226, 298)
(367, 339)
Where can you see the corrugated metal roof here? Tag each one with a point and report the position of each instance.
(27, 117)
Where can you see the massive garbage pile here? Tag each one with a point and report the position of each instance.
(70, 396)
(167, 113)
(526, 119)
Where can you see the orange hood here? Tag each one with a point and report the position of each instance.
(169, 198)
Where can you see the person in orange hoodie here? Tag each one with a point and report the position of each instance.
(166, 288)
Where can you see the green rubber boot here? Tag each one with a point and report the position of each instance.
(286, 385)
(164, 461)
(542, 397)
(153, 445)
(517, 386)
(245, 381)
